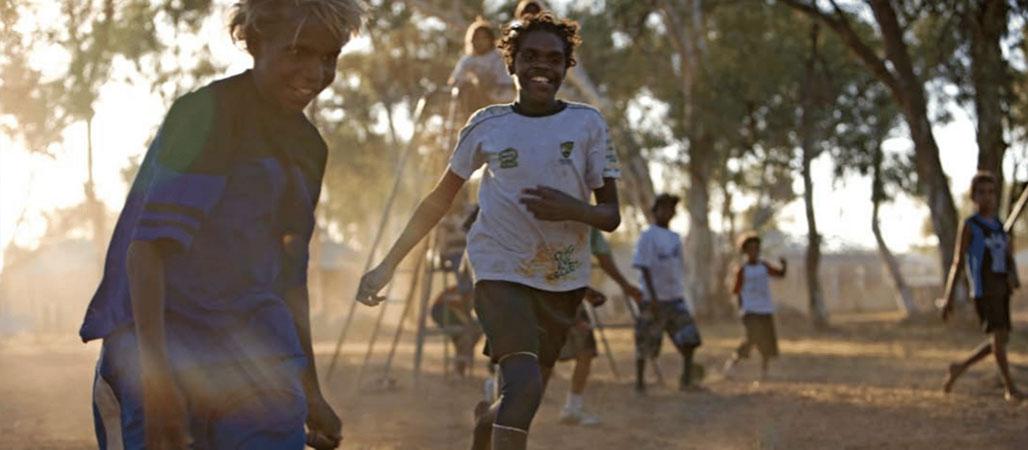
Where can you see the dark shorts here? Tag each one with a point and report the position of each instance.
(581, 340)
(521, 319)
(993, 313)
(672, 318)
(760, 333)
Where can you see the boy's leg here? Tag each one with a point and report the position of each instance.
(580, 374)
(523, 352)
(999, 351)
(682, 331)
(648, 335)
(958, 368)
(685, 382)
(640, 374)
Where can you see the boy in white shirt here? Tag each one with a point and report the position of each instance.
(753, 288)
(529, 247)
(658, 256)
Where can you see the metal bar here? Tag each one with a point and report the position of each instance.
(400, 165)
(598, 325)
(403, 315)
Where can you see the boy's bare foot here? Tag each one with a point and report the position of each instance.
(954, 372)
(1013, 396)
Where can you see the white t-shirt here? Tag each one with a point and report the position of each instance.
(569, 151)
(756, 289)
(491, 72)
(660, 251)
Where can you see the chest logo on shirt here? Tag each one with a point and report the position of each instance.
(565, 151)
(508, 158)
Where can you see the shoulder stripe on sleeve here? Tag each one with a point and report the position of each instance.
(172, 208)
(482, 116)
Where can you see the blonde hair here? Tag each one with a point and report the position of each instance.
(520, 10)
(252, 18)
(469, 36)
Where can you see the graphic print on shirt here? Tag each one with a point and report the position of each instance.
(553, 262)
(565, 151)
(996, 245)
(508, 158)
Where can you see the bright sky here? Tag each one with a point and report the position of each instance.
(127, 114)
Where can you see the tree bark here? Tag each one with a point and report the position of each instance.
(987, 20)
(904, 296)
(808, 146)
(700, 237)
(908, 91)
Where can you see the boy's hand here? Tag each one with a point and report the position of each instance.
(325, 428)
(546, 203)
(371, 283)
(632, 292)
(594, 297)
(166, 423)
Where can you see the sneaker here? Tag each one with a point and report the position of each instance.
(576, 416)
(570, 416)
(587, 420)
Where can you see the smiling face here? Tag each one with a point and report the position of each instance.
(295, 61)
(539, 69)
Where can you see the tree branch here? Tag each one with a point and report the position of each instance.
(864, 53)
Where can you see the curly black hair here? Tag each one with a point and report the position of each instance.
(565, 29)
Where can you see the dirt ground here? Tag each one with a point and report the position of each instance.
(867, 383)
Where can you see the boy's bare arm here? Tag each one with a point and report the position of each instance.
(320, 416)
(547, 203)
(777, 272)
(960, 250)
(648, 280)
(165, 423)
(611, 269)
(426, 216)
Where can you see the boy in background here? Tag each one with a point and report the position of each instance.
(753, 290)
(658, 256)
(983, 246)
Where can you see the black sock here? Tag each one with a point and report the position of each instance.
(640, 372)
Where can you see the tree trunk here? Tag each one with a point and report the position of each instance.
(904, 297)
(808, 146)
(908, 91)
(987, 20)
(699, 239)
(95, 208)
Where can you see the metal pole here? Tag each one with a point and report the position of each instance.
(403, 315)
(595, 318)
(398, 172)
(426, 293)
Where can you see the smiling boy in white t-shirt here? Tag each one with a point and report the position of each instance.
(529, 248)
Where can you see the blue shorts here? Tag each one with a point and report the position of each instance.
(236, 405)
